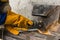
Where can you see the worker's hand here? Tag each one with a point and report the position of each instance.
(15, 22)
(18, 20)
(23, 22)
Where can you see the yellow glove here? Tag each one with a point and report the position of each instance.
(15, 22)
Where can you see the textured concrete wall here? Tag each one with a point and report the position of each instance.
(21, 7)
(24, 7)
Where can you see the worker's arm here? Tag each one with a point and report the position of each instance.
(2, 18)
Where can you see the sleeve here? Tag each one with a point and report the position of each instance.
(2, 18)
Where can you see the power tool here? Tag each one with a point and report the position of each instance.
(47, 15)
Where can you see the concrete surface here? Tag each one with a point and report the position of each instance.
(33, 36)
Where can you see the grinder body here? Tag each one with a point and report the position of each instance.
(47, 15)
